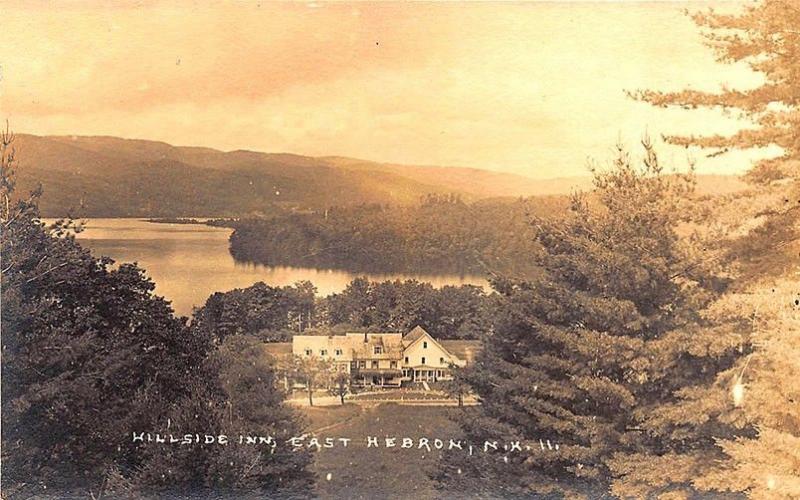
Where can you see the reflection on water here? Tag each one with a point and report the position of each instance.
(189, 262)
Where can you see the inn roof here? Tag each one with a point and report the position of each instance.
(354, 345)
(415, 334)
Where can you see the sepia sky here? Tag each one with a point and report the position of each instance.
(529, 88)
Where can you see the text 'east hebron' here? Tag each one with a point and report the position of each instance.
(320, 443)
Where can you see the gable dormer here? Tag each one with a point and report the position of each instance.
(421, 349)
(415, 334)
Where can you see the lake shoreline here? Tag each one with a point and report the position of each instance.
(189, 262)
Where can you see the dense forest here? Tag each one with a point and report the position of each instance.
(274, 314)
(443, 234)
(92, 356)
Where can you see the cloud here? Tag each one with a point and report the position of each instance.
(529, 88)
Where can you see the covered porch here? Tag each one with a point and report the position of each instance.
(378, 377)
(426, 374)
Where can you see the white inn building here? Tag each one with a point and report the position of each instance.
(387, 359)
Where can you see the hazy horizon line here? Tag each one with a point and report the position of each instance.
(585, 176)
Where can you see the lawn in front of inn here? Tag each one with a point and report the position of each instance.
(359, 471)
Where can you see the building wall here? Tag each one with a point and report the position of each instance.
(435, 356)
(329, 348)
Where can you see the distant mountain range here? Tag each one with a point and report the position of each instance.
(113, 177)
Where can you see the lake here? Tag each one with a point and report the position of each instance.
(189, 262)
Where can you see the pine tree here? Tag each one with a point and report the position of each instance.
(759, 393)
(762, 393)
(765, 36)
(594, 353)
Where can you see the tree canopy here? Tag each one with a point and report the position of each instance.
(91, 355)
(603, 352)
(766, 37)
(441, 235)
(762, 306)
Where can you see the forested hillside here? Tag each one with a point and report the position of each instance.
(442, 235)
(112, 177)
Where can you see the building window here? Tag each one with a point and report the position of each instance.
(392, 364)
(377, 349)
(308, 352)
(323, 352)
(425, 344)
(353, 365)
(441, 361)
(423, 360)
(338, 352)
(406, 359)
(363, 364)
(374, 364)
